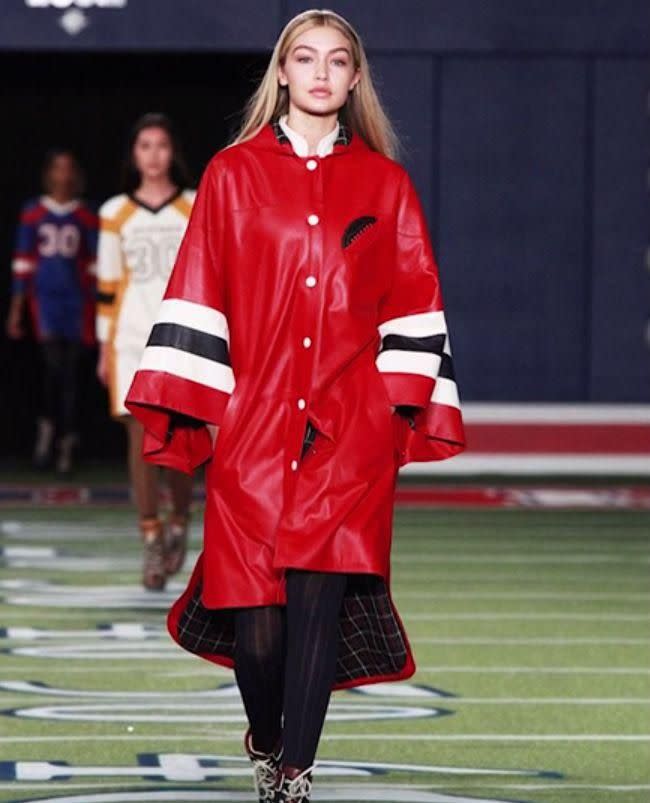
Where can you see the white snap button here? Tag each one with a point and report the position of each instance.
(306, 342)
(294, 465)
(313, 220)
(310, 281)
(301, 404)
(312, 164)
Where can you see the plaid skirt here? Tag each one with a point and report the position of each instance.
(372, 643)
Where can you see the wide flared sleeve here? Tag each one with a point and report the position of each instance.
(185, 378)
(415, 354)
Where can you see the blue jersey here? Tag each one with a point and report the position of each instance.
(54, 263)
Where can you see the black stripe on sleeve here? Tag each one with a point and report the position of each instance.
(446, 370)
(175, 336)
(433, 344)
(105, 298)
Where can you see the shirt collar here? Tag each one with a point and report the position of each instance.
(338, 136)
(59, 209)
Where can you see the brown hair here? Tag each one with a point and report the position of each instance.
(178, 172)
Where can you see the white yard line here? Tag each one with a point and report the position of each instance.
(523, 560)
(473, 786)
(587, 596)
(526, 617)
(540, 670)
(526, 642)
(347, 737)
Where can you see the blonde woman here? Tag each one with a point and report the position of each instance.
(140, 232)
(302, 350)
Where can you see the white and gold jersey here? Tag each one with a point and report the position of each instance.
(137, 249)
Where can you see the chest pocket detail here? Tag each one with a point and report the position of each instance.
(356, 229)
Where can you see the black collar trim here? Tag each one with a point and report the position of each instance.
(344, 137)
(155, 209)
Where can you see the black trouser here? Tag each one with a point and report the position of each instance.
(285, 664)
(61, 382)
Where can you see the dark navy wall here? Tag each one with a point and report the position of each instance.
(525, 126)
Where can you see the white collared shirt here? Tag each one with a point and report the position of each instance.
(300, 145)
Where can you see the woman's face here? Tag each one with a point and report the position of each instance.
(153, 153)
(319, 70)
(63, 176)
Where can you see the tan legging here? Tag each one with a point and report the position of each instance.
(145, 478)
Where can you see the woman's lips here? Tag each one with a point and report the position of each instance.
(320, 93)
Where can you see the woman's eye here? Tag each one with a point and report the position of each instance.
(340, 62)
(303, 59)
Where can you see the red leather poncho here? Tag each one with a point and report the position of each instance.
(305, 290)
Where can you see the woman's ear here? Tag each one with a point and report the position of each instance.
(282, 78)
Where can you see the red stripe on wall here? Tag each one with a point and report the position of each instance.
(551, 438)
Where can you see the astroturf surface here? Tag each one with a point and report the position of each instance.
(530, 630)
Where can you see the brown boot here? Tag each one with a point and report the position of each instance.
(295, 785)
(176, 541)
(266, 769)
(154, 576)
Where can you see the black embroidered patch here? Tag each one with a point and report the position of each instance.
(356, 228)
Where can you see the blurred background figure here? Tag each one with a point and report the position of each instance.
(140, 233)
(54, 275)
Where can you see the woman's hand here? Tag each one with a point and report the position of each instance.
(14, 327)
(102, 364)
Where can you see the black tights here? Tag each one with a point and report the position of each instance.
(285, 663)
(61, 381)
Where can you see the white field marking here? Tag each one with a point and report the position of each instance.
(208, 672)
(482, 784)
(209, 712)
(36, 552)
(153, 650)
(516, 544)
(158, 649)
(539, 670)
(48, 557)
(533, 700)
(546, 582)
(191, 767)
(28, 687)
(587, 596)
(116, 632)
(525, 642)
(361, 737)
(100, 669)
(560, 785)
(384, 794)
(527, 617)
(524, 560)
(72, 563)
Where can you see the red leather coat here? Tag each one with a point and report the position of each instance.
(305, 290)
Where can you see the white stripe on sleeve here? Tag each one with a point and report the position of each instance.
(422, 324)
(190, 366)
(409, 362)
(195, 316)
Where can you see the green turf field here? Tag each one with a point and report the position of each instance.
(530, 628)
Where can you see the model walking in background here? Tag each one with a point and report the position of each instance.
(304, 320)
(54, 275)
(140, 234)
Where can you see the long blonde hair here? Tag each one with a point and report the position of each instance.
(362, 112)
